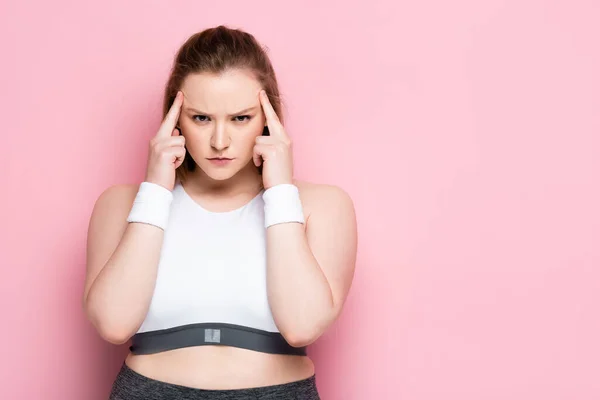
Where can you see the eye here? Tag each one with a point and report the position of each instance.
(200, 118)
(242, 118)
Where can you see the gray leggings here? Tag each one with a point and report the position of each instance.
(129, 385)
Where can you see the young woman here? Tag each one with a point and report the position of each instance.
(220, 267)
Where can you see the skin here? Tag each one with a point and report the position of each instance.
(309, 266)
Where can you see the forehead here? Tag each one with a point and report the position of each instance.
(229, 91)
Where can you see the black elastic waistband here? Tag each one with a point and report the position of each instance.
(212, 334)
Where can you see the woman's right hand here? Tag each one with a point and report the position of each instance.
(167, 148)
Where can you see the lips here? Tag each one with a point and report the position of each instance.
(220, 161)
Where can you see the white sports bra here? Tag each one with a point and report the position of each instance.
(211, 287)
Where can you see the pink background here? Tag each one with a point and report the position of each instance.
(467, 132)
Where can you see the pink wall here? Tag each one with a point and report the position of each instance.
(467, 132)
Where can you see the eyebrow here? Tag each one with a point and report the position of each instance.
(207, 114)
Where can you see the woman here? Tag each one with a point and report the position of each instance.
(220, 267)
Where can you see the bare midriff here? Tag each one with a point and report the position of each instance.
(221, 367)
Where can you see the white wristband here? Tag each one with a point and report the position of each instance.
(282, 204)
(151, 205)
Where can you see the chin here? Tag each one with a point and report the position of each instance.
(219, 173)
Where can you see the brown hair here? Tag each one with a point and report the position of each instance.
(215, 50)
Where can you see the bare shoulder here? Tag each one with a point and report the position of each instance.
(115, 199)
(109, 216)
(323, 199)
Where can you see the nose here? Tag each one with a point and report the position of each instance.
(220, 140)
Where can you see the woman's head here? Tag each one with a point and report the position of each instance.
(221, 72)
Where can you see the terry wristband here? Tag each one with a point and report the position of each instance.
(282, 204)
(151, 205)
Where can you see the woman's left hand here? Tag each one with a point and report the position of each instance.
(274, 151)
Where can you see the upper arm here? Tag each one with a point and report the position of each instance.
(332, 237)
(106, 227)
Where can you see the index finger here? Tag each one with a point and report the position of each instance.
(168, 124)
(272, 118)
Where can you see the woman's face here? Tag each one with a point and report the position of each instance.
(220, 118)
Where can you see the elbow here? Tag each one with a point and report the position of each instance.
(304, 334)
(301, 337)
(297, 339)
(113, 335)
(110, 330)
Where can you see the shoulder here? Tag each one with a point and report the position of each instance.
(113, 205)
(117, 197)
(325, 199)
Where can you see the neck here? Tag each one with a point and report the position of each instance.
(246, 181)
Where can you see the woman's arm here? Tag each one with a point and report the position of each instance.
(310, 269)
(122, 262)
